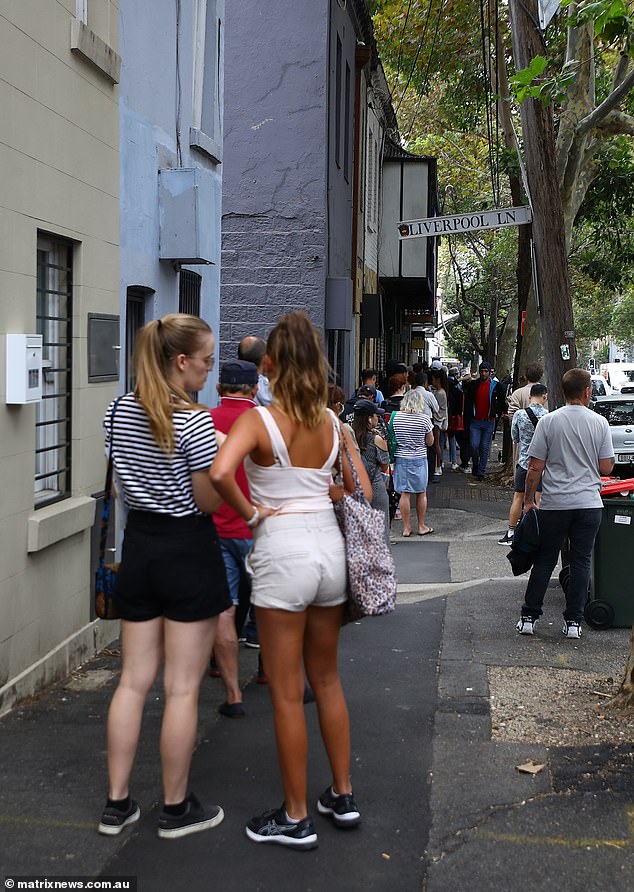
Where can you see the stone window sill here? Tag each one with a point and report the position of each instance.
(85, 44)
(49, 525)
(204, 143)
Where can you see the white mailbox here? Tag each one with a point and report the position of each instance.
(24, 368)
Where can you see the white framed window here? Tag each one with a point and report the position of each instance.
(206, 131)
(53, 415)
(372, 172)
(82, 11)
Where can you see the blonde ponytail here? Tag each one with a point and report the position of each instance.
(158, 342)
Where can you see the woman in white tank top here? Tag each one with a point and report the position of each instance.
(299, 567)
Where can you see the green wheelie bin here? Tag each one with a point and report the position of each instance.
(611, 599)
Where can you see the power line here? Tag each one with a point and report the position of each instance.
(420, 46)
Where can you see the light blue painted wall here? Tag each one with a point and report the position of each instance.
(148, 128)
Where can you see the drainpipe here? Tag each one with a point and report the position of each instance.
(362, 56)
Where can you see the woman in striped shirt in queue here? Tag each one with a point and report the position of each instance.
(414, 433)
(171, 584)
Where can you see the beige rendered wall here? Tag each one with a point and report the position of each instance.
(59, 163)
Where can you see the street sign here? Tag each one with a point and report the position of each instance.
(455, 223)
(547, 9)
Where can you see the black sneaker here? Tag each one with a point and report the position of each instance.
(273, 826)
(113, 820)
(342, 809)
(251, 641)
(197, 817)
(507, 538)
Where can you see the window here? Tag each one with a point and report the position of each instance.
(373, 171)
(338, 74)
(134, 321)
(206, 133)
(346, 132)
(189, 292)
(53, 415)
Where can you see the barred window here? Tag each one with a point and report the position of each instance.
(53, 414)
(189, 284)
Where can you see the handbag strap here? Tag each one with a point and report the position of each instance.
(344, 445)
(107, 492)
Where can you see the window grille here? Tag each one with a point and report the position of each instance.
(134, 321)
(53, 413)
(189, 292)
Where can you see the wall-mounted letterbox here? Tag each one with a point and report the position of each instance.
(24, 369)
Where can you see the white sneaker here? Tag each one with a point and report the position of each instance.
(571, 629)
(526, 625)
(438, 472)
(454, 466)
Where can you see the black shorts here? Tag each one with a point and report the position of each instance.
(171, 567)
(519, 483)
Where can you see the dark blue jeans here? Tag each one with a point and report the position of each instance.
(580, 526)
(480, 436)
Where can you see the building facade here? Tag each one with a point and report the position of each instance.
(59, 270)
(171, 120)
(294, 148)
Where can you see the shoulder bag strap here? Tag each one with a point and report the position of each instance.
(534, 419)
(343, 443)
(107, 493)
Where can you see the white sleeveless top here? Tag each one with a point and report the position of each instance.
(292, 489)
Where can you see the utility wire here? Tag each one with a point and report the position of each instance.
(425, 84)
(420, 46)
(400, 42)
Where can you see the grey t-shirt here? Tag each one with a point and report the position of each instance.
(571, 441)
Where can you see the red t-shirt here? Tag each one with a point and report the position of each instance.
(482, 401)
(228, 522)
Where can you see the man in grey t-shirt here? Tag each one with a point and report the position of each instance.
(570, 451)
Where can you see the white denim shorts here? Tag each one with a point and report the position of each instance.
(298, 561)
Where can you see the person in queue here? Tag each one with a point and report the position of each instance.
(413, 430)
(374, 455)
(171, 586)
(299, 569)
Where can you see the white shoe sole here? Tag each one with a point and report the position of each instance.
(348, 820)
(110, 830)
(178, 832)
(307, 842)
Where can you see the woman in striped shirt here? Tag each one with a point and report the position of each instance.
(414, 433)
(171, 584)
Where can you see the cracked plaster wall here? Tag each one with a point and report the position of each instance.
(274, 246)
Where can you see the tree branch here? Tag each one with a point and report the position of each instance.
(600, 113)
(617, 123)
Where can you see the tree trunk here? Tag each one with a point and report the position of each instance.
(532, 346)
(625, 696)
(548, 221)
(523, 268)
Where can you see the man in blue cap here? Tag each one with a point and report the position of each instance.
(238, 387)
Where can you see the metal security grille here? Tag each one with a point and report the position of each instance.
(134, 322)
(53, 417)
(189, 292)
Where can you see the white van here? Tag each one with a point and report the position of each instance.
(618, 374)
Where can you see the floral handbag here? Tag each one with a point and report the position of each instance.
(371, 570)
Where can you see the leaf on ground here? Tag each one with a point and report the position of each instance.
(531, 767)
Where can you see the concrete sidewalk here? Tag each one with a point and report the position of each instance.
(444, 807)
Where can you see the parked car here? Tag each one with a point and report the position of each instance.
(601, 388)
(618, 374)
(619, 412)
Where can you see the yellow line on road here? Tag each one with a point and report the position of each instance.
(580, 843)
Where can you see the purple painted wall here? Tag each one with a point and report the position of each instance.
(274, 214)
